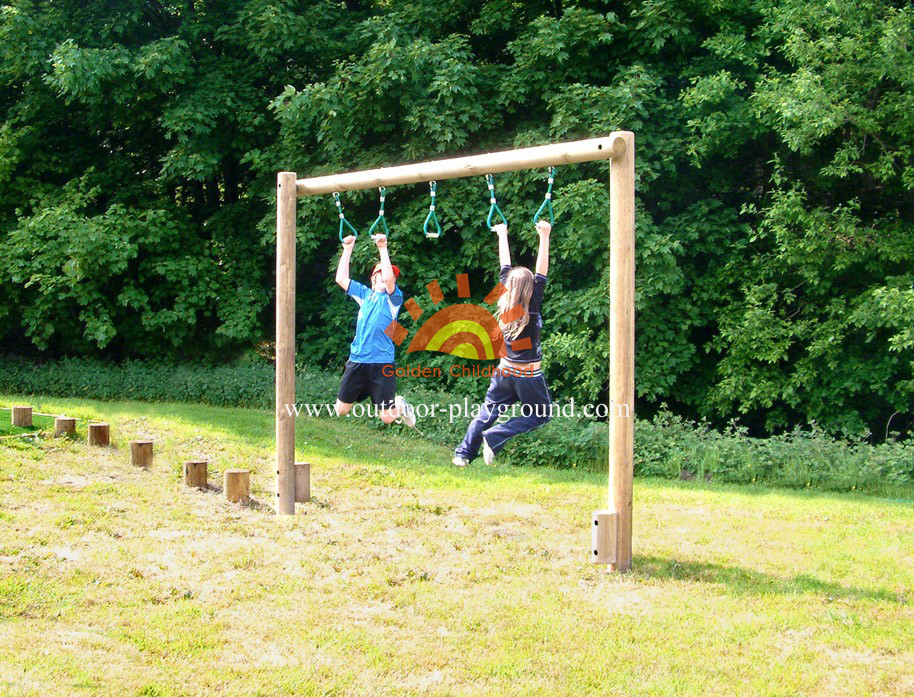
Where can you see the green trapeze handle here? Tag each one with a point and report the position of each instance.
(493, 208)
(381, 219)
(547, 203)
(432, 217)
(343, 221)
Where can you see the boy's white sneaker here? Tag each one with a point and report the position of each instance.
(488, 455)
(407, 413)
(460, 461)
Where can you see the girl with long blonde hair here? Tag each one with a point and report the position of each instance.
(519, 379)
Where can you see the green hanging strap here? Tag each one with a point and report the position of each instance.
(432, 217)
(493, 207)
(343, 221)
(381, 219)
(547, 203)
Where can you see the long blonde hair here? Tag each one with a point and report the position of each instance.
(520, 289)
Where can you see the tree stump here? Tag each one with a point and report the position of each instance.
(22, 417)
(196, 473)
(302, 482)
(141, 453)
(99, 434)
(65, 426)
(237, 484)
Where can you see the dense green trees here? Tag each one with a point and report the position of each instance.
(139, 143)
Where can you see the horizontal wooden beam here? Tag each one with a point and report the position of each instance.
(604, 148)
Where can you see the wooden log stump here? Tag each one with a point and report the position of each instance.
(302, 482)
(141, 453)
(22, 417)
(237, 485)
(65, 426)
(196, 473)
(100, 435)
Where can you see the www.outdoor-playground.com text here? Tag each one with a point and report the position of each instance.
(466, 410)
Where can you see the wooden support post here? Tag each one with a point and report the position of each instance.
(99, 434)
(196, 473)
(22, 417)
(603, 537)
(302, 482)
(237, 485)
(622, 347)
(65, 426)
(285, 342)
(141, 453)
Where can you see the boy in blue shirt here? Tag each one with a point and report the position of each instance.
(370, 369)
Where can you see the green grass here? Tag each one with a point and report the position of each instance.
(407, 576)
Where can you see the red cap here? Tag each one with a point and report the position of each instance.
(394, 267)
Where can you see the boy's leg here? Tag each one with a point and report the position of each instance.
(353, 387)
(499, 396)
(535, 411)
(383, 390)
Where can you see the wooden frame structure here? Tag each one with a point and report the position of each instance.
(613, 544)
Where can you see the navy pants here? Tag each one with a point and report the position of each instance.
(504, 391)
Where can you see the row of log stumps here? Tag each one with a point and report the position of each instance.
(236, 482)
(99, 433)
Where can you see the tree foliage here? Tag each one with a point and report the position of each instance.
(139, 142)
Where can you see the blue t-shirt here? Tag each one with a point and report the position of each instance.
(377, 309)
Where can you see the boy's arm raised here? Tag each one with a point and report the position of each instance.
(387, 272)
(342, 269)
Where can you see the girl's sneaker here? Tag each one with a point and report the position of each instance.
(460, 461)
(407, 413)
(488, 455)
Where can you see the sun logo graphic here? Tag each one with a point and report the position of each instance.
(464, 330)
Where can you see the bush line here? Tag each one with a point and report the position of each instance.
(666, 446)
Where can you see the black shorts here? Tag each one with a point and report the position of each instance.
(361, 380)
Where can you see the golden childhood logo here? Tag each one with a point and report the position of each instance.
(464, 330)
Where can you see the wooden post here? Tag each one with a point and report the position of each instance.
(99, 434)
(141, 453)
(65, 426)
(285, 342)
(302, 482)
(22, 417)
(622, 346)
(196, 473)
(237, 485)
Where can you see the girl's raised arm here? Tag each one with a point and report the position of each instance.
(504, 252)
(542, 258)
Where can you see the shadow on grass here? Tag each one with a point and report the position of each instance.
(252, 503)
(746, 582)
(902, 494)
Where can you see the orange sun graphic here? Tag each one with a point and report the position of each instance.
(464, 330)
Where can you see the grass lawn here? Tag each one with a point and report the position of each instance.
(407, 576)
